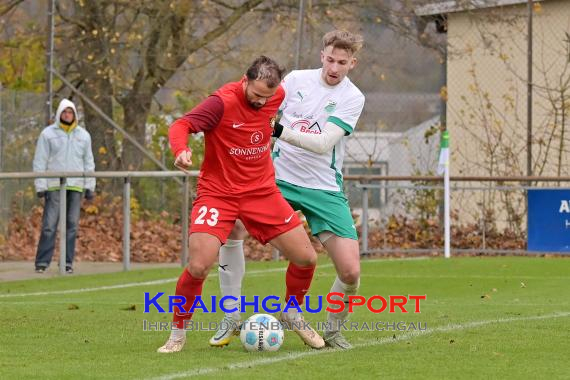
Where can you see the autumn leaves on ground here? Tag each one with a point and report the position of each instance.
(157, 238)
(154, 238)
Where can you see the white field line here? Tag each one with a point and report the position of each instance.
(85, 290)
(174, 279)
(467, 276)
(388, 340)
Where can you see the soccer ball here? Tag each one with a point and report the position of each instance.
(261, 332)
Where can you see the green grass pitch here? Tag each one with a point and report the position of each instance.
(496, 317)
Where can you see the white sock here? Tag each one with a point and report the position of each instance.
(291, 314)
(349, 290)
(177, 334)
(231, 270)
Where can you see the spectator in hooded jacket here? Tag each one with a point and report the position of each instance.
(62, 147)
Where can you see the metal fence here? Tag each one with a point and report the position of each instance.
(20, 125)
(508, 71)
(411, 220)
(505, 104)
(126, 176)
(22, 118)
(485, 234)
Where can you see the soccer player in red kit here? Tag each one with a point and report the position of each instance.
(237, 181)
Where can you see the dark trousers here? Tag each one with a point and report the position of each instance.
(50, 222)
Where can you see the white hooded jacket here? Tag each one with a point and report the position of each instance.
(59, 151)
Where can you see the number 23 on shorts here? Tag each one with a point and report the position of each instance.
(208, 216)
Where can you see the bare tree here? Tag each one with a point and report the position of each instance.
(9, 6)
(124, 51)
(490, 114)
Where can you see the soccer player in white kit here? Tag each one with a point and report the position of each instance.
(321, 107)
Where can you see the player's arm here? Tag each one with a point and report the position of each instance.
(321, 143)
(202, 118)
(336, 127)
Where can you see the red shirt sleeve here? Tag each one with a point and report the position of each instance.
(204, 117)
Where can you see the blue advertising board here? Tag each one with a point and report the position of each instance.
(549, 220)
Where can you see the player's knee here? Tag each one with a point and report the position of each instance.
(198, 269)
(312, 261)
(309, 259)
(349, 275)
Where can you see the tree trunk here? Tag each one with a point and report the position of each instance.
(136, 110)
(102, 133)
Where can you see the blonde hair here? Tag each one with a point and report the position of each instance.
(342, 39)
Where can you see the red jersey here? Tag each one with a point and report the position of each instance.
(238, 137)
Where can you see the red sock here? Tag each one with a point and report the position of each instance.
(189, 287)
(298, 280)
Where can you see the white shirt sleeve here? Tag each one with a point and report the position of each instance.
(320, 144)
(89, 164)
(41, 157)
(348, 113)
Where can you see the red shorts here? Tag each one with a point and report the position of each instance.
(265, 215)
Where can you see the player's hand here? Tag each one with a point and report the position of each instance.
(277, 130)
(184, 161)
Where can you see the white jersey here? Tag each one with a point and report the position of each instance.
(308, 105)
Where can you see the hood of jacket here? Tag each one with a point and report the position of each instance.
(65, 103)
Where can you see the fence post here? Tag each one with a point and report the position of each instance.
(62, 224)
(49, 60)
(3, 225)
(127, 224)
(1, 132)
(185, 203)
(364, 220)
(300, 27)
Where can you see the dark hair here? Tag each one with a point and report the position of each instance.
(341, 39)
(266, 69)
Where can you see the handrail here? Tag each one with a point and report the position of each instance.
(365, 184)
(106, 174)
(126, 175)
(374, 177)
(371, 177)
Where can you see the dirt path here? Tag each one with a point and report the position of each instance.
(23, 270)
